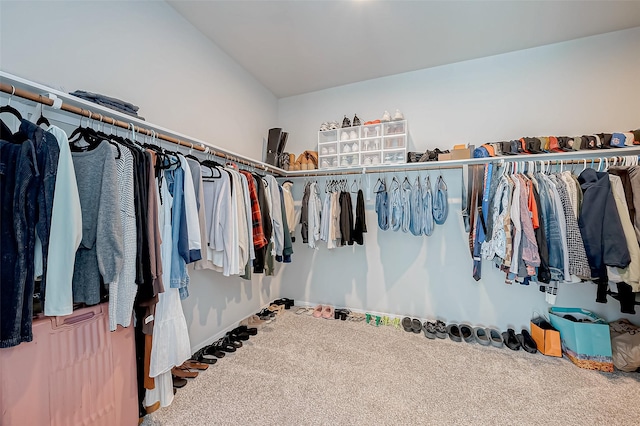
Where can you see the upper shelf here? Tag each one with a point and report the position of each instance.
(21, 83)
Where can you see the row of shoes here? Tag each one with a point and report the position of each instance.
(231, 342)
(481, 335)
(346, 122)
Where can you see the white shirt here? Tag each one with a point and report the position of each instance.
(191, 207)
(66, 233)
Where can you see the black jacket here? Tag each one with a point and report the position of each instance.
(600, 225)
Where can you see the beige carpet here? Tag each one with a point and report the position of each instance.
(307, 371)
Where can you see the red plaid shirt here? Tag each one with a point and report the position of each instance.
(259, 239)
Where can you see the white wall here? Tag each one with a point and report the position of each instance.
(148, 54)
(577, 87)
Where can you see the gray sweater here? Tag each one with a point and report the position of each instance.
(100, 255)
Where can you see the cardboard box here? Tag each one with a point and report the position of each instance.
(461, 154)
(444, 157)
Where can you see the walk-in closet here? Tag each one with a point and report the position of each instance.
(319, 212)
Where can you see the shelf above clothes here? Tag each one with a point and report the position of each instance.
(574, 157)
(39, 93)
(19, 87)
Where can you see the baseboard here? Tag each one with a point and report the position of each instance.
(221, 333)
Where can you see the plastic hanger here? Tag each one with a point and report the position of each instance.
(8, 108)
(42, 119)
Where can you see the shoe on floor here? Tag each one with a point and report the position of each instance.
(527, 342)
(406, 324)
(441, 330)
(511, 340)
(178, 382)
(495, 337)
(467, 333)
(454, 332)
(429, 329)
(327, 312)
(317, 311)
(481, 336)
(416, 326)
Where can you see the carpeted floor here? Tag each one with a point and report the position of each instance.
(306, 371)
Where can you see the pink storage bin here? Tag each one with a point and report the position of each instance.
(74, 372)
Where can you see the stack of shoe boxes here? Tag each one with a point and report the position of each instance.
(367, 145)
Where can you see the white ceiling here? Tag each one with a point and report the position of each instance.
(295, 47)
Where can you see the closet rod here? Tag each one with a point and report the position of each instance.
(36, 97)
(576, 157)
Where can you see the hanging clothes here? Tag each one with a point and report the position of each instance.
(600, 225)
(346, 219)
(440, 202)
(122, 291)
(405, 202)
(66, 232)
(360, 227)
(395, 205)
(100, 255)
(382, 205)
(427, 209)
(313, 210)
(29, 160)
(416, 221)
(291, 215)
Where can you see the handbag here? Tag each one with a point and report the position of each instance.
(546, 337)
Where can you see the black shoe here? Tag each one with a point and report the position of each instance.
(251, 331)
(527, 342)
(232, 339)
(454, 332)
(346, 122)
(178, 382)
(467, 333)
(511, 340)
(356, 121)
(281, 144)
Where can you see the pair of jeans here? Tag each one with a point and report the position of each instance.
(405, 202)
(427, 208)
(395, 205)
(440, 202)
(416, 209)
(382, 207)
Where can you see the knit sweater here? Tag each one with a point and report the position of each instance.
(100, 255)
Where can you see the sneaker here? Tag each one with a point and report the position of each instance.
(386, 117)
(441, 330)
(353, 135)
(346, 148)
(356, 121)
(429, 329)
(398, 116)
(346, 122)
(324, 127)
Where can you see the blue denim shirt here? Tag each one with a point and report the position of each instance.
(180, 245)
(551, 229)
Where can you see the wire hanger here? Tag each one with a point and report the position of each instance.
(8, 108)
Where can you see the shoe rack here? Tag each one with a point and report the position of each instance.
(367, 145)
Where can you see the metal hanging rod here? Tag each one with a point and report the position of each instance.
(575, 157)
(89, 112)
